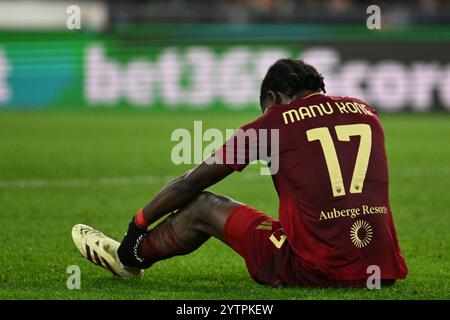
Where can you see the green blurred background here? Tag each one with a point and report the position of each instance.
(196, 55)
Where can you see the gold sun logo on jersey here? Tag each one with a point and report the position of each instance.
(361, 233)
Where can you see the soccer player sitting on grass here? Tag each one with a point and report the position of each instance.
(332, 182)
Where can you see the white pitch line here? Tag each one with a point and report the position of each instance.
(86, 182)
(67, 183)
(155, 179)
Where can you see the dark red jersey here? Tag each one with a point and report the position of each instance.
(331, 176)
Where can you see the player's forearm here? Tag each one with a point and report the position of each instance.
(175, 195)
(181, 191)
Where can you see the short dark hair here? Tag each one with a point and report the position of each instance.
(289, 76)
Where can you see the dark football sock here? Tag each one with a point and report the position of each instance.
(128, 251)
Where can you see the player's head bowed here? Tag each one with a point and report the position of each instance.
(288, 78)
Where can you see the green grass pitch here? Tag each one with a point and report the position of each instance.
(58, 169)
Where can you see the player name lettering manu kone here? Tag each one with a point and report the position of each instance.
(323, 109)
(352, 212)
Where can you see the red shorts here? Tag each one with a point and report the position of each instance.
(260, 240)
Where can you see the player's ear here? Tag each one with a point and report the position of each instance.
(283, 98)
(272, 98)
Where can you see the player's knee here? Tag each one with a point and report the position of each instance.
(195, 209)
(205, 198)
(198, 205)
(201, 205)
(205, 205)
(208, 201)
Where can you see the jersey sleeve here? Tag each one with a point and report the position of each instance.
(244, 146)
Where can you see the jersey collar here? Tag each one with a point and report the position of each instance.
(309, 95)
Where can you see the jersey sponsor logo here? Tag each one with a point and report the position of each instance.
(361, 233)
(352, 212)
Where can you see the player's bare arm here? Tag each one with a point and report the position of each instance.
(182, 190)
(193, 224)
